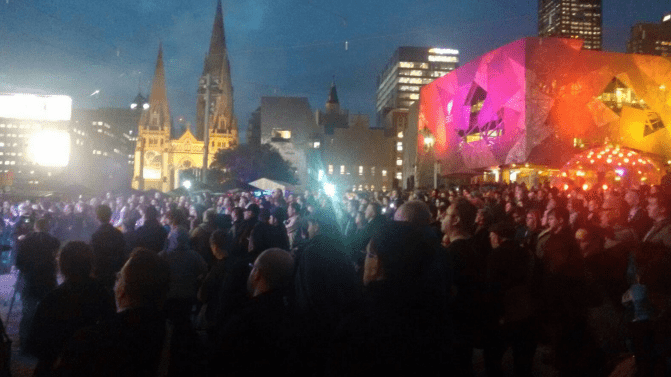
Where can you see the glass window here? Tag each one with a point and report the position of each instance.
(342, 169)
(399, 162)
(384, 173)
(360, 170)
(399, 146)
(330, 169)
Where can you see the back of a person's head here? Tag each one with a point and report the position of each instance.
(146, 277)
(175, 217)
(220, 238)
(466, 212)
(560, 213)
(326, 219)
(104, 213)
(402, 250)
(277, 268)
(503, 229)
(210, 215)
(42, 225)
(150, 213)
(415, 212)
(75, 261)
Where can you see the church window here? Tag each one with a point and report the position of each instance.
(330, 169)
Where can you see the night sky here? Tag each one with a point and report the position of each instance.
(276, 47)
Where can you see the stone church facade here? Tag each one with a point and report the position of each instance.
(159, 157)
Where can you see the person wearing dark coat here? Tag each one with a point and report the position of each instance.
(151, 235)
(200, 236)
(510, 319)
(36, 262)
(135, 341)
(78, 302)
(258, 339)
(397, 329)
(325, 287)
(109, 248)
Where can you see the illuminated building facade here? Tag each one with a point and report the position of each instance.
(159, 158)
(34, 140)
(571, 19)
(651, 39)
(398, 87)
(539, 101)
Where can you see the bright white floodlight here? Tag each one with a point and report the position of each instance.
(329, 189)
(49, 148)
(187, 184)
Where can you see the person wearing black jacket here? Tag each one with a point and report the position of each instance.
(151, 235)
(109, 248)
(36, 261)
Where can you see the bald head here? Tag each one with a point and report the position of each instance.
(273, 270)
(415, 212)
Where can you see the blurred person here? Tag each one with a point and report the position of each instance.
(257, 339)
(325, 286)
(210, 290)
(151, 235)
(510, 320)
(637, 217)
(199, 237)
(468, 267)
(77, 303)
(36, 262)
(294, 224)
(109, 248)
(133, 342)
(398, 329)
(187, 268)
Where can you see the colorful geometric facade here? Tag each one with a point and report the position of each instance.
(540, 100)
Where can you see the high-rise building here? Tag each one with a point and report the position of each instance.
(651, 39)
(398, 87)
(159, 158)
(407, 71)
(571, 19)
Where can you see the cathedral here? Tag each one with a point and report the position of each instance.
(159, 157)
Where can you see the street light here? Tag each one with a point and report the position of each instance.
(429, 143)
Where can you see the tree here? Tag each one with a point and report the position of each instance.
(248, 163)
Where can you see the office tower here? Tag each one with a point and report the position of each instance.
(579, 19)
(651, 39)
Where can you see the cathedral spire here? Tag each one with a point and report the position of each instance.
(332, 104)
(157, 116)
(333, 94)
(217, 52)
(221, 117)
(158, 92)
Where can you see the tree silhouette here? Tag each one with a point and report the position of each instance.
(247, 163)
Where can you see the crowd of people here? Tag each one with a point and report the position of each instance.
(403, 282)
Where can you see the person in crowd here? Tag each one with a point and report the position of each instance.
(294, 224)
(78, 302)
(397, 329)
(199, 237)
(151, 235)
(259, 339)
(510, 314)
(325, 286)
(210, 289)
(36, 262)
(561, 297)
(637, 218)
(576, 210)
(136, 340)
(109, 248)
(374, 221)
(187, 269)
(620, 244)
(468, 267)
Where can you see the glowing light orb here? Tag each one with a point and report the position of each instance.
(49, 148)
